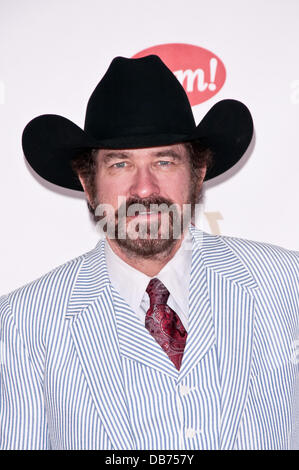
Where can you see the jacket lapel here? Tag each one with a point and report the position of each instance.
(201, 332)
(231, 288)
(93, 331)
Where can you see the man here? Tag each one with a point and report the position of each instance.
(162, 336)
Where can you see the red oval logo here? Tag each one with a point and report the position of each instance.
(200, 71)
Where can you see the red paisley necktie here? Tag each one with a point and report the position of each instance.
(164, 324)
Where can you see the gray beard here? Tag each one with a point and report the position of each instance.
(158, 247)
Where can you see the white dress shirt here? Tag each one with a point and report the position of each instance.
(132, 283)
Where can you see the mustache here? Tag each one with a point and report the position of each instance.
(145, 202)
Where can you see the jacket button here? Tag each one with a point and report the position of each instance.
(190, 433)
(184, 390)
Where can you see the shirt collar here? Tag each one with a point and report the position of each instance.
(132, 284)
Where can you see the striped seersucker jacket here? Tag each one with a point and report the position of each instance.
(79, 371)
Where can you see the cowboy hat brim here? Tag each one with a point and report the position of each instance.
(50, 141)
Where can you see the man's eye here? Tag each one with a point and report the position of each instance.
(164, 163)
(119, 165)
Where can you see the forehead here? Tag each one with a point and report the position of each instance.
(176, 150)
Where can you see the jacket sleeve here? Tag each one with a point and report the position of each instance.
(22, 413)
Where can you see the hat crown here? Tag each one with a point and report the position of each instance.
(138, 97)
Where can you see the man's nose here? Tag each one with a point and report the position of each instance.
(144, 184)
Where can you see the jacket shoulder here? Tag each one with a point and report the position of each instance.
(255, 253)
(48, 279)
(275, 270)
(42, 296)
(272, 268)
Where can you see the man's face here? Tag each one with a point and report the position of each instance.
(147, 177)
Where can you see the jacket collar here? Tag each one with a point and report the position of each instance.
(214, 252)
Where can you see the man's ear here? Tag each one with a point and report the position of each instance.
(203, 172)
(84, 187)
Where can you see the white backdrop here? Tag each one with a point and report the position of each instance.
(52, 55)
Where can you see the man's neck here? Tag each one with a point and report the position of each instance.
(149, 266)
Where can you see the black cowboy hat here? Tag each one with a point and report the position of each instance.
(138, 103)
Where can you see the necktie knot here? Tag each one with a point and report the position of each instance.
(157, 292)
